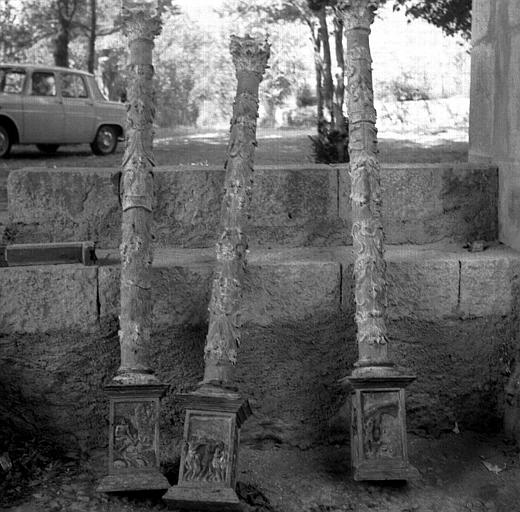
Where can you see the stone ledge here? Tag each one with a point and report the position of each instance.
(292, 205)
(425, 283)
(46, 298)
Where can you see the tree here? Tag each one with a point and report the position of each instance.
(453, 16)
(15, 33)
(331, 140)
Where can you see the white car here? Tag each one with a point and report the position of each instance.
(51, 106)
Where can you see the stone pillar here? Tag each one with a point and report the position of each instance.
(215, 411)
(378, 428)
(135, 391)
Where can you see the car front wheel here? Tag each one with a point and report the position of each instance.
(105, 142)
(5, 142)
(48, 148)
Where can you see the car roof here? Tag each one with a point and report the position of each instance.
(42, 67)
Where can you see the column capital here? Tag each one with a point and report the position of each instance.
(141, 19)
(358, 13)
(250, 54)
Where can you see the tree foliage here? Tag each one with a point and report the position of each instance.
(452, 16)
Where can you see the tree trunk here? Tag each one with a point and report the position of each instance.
(367, 227)
(328, 83)
(250, 58)
(318, 67)
(61, 45)
(339, 92)
(91, 64)
(137, 194)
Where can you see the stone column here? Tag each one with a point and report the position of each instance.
(223, 339)
(378, 429)
(135, 391)
(215, 411)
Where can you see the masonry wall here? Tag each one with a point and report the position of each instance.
(494, 133)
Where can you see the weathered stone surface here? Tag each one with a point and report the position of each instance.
(487, 285)
(480, 19)
(47, 298)
(296, 343)
(430, 203)
(494, 133)
(273, 291)
(292, 206)
(509, 206)
(482, 104)
(513, 13)
(290, 292)
(58, 205)
(422, 289)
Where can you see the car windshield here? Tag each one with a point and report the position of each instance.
(11, 80)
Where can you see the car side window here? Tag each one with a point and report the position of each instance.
(73, 86)
(43, 84)
(11, 81)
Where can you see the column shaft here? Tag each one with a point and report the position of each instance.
(367, 228)
(141, 26)
(250, 59)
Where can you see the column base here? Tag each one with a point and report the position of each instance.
(134, 482)
(209, 457)
(199, 498)
(378, 424)
(133, 440)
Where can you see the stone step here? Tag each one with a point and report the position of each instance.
(452, 322)
(305, 205)
(427, 283)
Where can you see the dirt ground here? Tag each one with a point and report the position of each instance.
(463, 472)
(459, 471)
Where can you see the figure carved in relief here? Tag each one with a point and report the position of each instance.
(133, 441)
(205, 461)
(378, 441)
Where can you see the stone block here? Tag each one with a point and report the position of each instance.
(48, 298)
(422, 289)
(482, 104)
(428, 203)
(290, 292)
(180, 294)
(59, 205)
(486, 284)
(512, 102)
(273, 292)
(513, 13)
(481, 14)
(509, 206)
(295, 205)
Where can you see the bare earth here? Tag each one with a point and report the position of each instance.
(459, 471)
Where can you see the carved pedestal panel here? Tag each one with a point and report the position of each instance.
(133, 449)
(207, 475)
(378, 428)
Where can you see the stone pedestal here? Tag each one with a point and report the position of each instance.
(378, 425)
(133, 442)
(209, 457)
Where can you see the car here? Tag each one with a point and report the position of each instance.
(50, 106)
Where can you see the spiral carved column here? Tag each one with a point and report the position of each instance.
(378, 423)
(216, 411)
(134, 392)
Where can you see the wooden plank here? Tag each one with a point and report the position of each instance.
(49, 254)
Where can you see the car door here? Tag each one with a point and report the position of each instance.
(43, 110)
(78, 108)
(12, 82)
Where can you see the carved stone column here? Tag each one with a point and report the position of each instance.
(135, 391)
(378, 428)
(215, 412)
